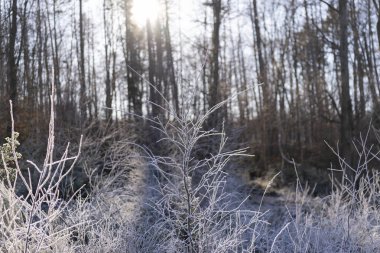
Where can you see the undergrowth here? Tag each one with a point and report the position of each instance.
(8, 158)
(183, 204)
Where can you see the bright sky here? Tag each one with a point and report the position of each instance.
(144, 10)
(181, 12)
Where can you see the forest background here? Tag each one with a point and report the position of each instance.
(304, 72)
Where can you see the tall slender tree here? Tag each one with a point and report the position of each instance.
(214, 91)
(346, 126)
(264, 84)
(82, 75)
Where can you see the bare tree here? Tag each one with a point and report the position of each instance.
(82, 76)
(214, 92)
(263, 80)
(169, 60)
(346, 126)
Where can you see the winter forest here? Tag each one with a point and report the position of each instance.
(189, 126)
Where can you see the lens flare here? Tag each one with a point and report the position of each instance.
(144, 10)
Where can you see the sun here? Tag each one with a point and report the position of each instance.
(144, 10)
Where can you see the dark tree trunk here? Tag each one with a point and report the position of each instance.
(263, 80)
(108, 86)
(153, 94)
(12, 65)
(11, 61)
(359, 75)
(346, 126)
(214, 93)
(133, 66)
(82, 98)
(170, 61)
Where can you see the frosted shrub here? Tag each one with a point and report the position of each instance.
(194, 212)
(7, 166)
(348, 220)
(41, 221)
(32, 223)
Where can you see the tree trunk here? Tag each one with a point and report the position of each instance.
(263, 81)
(214, 92)
(11, 61)
(108, 86)
(133, 66)
(12, 66)
(359, 63)
(82, 98)
(151, 71)
(170, 61)
(345, 101)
